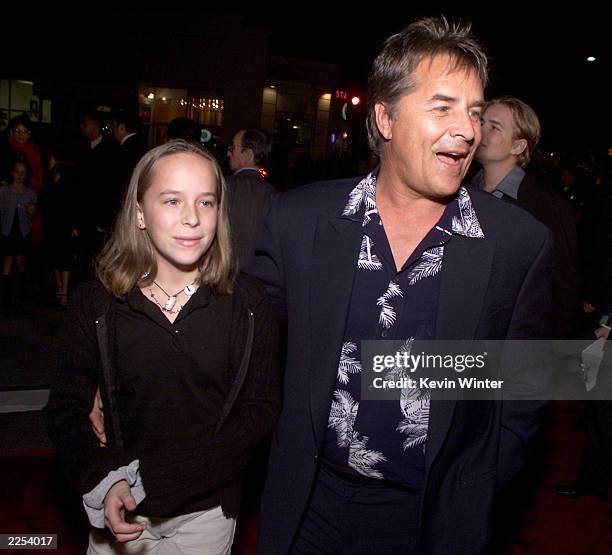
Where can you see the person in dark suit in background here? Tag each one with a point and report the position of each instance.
(400, 253)
(249, 193)
(127, 131)
(184, 128)
(595, 470)
(510, 134)
(98, 189)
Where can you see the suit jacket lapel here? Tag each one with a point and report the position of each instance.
(336, 250)
(466, 268)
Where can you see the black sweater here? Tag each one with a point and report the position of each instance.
(194, 472)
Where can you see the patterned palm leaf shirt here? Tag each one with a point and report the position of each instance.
(386, 439)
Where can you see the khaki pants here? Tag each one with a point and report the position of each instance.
(202, 533)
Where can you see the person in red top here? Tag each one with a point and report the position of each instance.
(20, 133)
(20, 148)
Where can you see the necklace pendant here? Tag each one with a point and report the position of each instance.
(169, 304)
(190, 290)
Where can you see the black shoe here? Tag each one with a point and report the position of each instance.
(575, 491)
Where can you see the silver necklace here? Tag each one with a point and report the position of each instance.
(169, 304)
(163, 307)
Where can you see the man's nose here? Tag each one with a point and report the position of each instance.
(467, 127)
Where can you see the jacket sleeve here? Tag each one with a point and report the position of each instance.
(267, 265)
(598, 269)
(527, 386)
(67, 412)
(565, 279)
(170, 477)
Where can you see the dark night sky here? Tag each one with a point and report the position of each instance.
(540, 57)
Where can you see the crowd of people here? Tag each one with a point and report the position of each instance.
(170, 373)
(57, 206)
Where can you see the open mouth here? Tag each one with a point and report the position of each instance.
(452, 158)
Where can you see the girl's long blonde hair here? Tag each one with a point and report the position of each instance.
(128, 258)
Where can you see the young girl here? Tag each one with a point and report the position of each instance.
(17, 206)
(186, 361)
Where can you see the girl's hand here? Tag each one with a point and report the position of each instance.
(117, 502)
(30, 209)
(602, 332)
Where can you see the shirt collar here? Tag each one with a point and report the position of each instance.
(93, 144)
(249, 169)
(362, 199)
(508, 186)
(127, 137)
(362, 196)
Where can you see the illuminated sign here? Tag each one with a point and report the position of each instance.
(342, 95)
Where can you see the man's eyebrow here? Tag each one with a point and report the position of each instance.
(442, 98)
(450, 99)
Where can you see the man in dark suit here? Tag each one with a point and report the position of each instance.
(249, 194)
(402, 253)
(595, 471)
(127, 129)
(510, 134)
(98, 188)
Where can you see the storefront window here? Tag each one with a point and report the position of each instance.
(159, 106)
(16, 97)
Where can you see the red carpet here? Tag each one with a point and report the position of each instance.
(34, 500)
(552, 524)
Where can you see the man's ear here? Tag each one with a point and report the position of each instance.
(518, 147)
(251, 160)
(383, 120)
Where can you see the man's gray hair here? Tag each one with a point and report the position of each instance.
(392, 73)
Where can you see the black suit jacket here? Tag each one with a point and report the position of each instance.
(98, 185)
(555, 212)
(130, 152)
(598, 263)
(492, 288)
(249, 200)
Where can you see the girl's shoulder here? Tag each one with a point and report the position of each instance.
(250, 290)
(91, 298)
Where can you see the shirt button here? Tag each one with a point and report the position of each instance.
(176, 331)
(384, 334)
